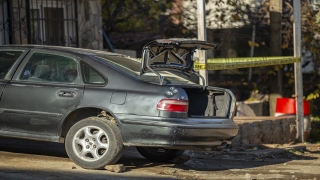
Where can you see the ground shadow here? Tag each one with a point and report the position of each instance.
(32, 147)
(200, 161)
(216, 161)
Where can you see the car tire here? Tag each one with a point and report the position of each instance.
(93, 143)
(159, 154)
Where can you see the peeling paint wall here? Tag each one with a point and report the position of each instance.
(90, 24)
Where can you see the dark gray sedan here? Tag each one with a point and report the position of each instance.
(97, 102)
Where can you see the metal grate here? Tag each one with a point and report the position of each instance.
(53, 22)
(4, 23)
(44, 22)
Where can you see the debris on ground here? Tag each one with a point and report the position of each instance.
(115, 168)
(257, 153)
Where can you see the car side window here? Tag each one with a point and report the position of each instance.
(45, 67)
(91, 76)
(7, 59)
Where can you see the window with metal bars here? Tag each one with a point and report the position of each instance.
(53, 22)
(44, 22)
(4, 23)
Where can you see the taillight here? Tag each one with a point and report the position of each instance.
(173, 105)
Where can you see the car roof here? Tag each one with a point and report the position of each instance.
(61, 48)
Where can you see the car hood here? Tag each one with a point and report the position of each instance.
(172, 55)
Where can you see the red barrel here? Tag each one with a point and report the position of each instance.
(286, 106)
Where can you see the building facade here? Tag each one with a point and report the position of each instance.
(72, 23)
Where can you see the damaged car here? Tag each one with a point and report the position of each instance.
(97, 102)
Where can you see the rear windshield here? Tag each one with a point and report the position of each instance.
(132, 66)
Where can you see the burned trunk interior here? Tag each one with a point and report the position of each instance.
(208, 103)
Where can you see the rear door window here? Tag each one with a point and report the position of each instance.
(46, 67)
(7, 59)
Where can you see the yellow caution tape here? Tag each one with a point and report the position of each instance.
(245, 62)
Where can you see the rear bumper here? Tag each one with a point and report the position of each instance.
(191, 133)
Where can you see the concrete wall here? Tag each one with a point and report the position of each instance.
(90, 24)
(265, 130)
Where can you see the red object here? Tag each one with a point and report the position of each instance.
(173, 105)
(288, 106)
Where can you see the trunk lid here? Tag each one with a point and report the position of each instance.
(172, 55)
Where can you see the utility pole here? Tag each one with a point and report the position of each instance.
(297, 69)
(202, 35)
(275, 50)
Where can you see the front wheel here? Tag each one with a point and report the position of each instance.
(93, 143)
(159, 154)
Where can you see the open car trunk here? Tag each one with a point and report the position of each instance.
(210, 103)
(176, 55)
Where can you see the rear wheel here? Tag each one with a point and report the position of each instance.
(159, 154)
(93, 143)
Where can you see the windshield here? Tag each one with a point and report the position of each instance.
(132, 67)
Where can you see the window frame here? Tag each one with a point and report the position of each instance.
(58, 53)
(82, 63)
(16, 64)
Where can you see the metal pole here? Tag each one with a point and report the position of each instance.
(12, 33)
(28, 21)
(297, 69)
(202, 35)
(252, 49)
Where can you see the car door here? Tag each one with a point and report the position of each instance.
(45, 87)
(9, 59)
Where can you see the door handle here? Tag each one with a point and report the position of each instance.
(67, 94)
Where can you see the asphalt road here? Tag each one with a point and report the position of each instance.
(25, 159)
